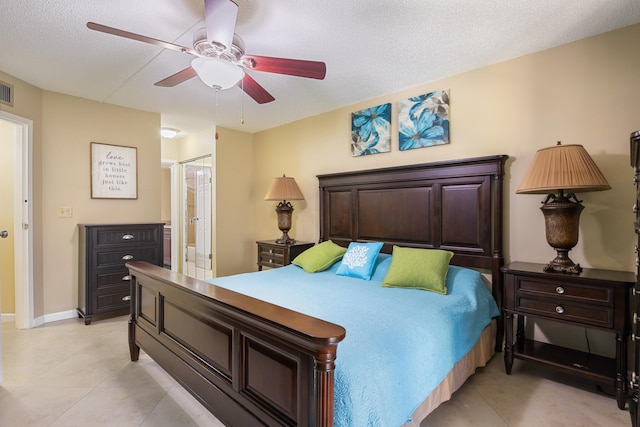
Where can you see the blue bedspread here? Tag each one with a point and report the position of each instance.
(400, 343)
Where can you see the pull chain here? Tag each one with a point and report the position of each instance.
(242, 118)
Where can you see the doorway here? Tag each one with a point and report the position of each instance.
(16, 254)
(197, 197)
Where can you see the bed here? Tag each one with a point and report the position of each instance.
(252, 361)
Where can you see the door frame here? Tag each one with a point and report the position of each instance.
(23, 221)
(172, 165)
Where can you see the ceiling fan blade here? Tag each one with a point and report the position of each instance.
(177, 78)
(254, 90)
(138, 37)
(291, 67)
(220, 19)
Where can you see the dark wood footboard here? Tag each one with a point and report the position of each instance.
(249, 362)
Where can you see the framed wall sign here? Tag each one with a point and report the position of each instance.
(114, 171)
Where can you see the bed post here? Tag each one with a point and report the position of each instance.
(322, 210)
(134, 349)
(325, 368)
(497, 282)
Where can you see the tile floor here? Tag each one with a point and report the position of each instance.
(68, 374)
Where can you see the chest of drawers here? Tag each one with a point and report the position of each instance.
(103, 282)
(597, 299)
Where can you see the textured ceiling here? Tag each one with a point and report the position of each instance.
(370, 47)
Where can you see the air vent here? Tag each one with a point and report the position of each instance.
(6, 94)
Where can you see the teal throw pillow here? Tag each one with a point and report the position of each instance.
(319, 257)
(359, 260)
(418, 269)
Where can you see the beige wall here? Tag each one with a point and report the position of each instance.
(235, 231)
(70, 124)
(165, 199)
(587, 92)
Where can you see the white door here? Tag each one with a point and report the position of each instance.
(15, 218)
(15, 144)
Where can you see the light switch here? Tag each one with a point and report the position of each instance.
(65, 212)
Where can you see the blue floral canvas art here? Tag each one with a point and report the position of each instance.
(371, 130)
(423, 120)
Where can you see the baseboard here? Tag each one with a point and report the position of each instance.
(38, 321)
(54, 317)
(7, 317)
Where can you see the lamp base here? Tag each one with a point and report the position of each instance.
(562, 219)
(553, 268)
(285, 239)
(284, 211)
(562, 264)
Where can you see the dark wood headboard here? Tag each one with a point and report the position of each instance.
(453, 205)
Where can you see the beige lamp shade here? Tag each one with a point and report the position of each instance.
(562, 167)
(559, 172)
(283, 188)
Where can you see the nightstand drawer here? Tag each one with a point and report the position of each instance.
(271, 258)
(584, 293)
(271, 251)
(564, 309)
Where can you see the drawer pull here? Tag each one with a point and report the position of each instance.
(127, 237)
(126, 298)
(127, 257)
(559, 309)
(127, 277)
(560, 290)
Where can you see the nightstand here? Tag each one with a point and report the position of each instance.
(597, 299)
(272, 254)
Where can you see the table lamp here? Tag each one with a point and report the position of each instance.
(284, 188)
(560, 172)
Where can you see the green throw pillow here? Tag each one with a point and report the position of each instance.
(319, 257)
(418, 269)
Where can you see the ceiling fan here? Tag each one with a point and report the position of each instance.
(220, 60)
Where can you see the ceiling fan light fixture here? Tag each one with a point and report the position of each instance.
(217, 73)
